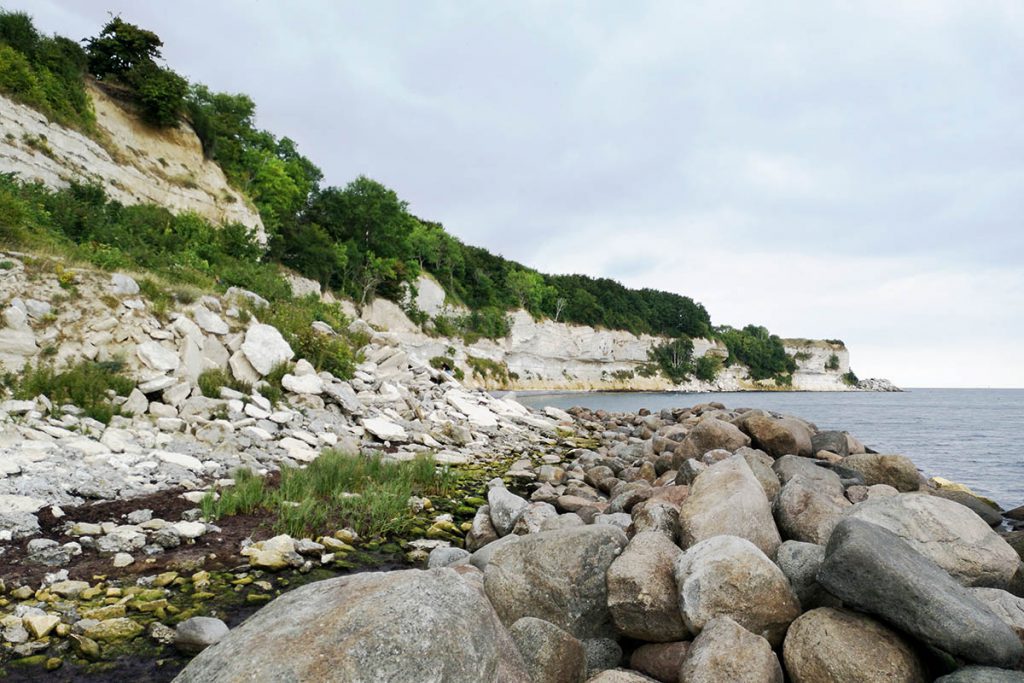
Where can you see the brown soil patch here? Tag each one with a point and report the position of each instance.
(213, 550)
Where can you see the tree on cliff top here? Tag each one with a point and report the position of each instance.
(121, 47)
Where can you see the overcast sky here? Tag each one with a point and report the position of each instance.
(827, 169)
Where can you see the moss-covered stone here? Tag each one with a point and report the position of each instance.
(114, 629)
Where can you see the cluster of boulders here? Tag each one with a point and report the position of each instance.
(703, 544)
(171, 435)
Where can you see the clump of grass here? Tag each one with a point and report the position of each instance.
(211, 381)
(271, 387)
(487, 369)
(448, 365)
(368, 493)
(87, 385)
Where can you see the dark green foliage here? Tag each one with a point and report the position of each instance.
(183, 248)
(707, 367)
(120, 48)
(85, 385)
(850, 378)
(43, 72)
(160, 94)
(126, 54)
(448, 365)
(758, 349)
(674, 358)
(832, 363)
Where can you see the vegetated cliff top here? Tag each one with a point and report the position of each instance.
(359, 240)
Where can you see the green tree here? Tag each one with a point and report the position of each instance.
(121, 47)
(674, 358)
(529, 288)
(160, 93)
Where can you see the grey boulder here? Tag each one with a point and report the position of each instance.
(947, 533)
(551, 655)
(411, 625)
(642, 594)
(871, 569)
(558, 576)
(726, 499)
(729, 576)
(725, 651)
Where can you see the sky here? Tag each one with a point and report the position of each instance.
(849, 170)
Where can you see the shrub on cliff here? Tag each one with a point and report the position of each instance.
(127, 54)
(674, 358)
(84, 385)
(43, 72)
(758, 349)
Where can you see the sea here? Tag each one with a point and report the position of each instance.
(972, 436)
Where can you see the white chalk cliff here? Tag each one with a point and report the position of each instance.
(547, 355)
(135, 164)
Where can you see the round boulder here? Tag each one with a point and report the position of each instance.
(725, 651)
(410, 625)
(558, 576)
(947, 533)
(829, 645)
(729, 576)
(642, 594)
(897, 471)
(727, 499)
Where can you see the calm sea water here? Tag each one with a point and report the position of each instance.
(969, 435)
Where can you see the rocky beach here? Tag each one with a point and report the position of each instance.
(693, 544)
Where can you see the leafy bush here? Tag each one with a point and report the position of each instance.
(85, 385)
(448, 365)
(674, 358)
(832, 363)
(850, 378)
(490, 370)
(294, 319)
(758, 349)
(44, 73)
(707, 367)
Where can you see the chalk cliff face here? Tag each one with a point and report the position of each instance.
(542, 354)
(135, 164)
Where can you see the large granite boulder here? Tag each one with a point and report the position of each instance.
(833, 442)
(778, 436)
(800, 563)
(551, 655)
(791, 466)
(947, 533)
(829, 645)
(897, 471)
(660, 661)
(558, 576)
(806, 512)
(1008, 607)
(709, 434)
(729, 576)
(642, 593)
(725, 651)
(407, 625)
(873, 570)
(727, 499)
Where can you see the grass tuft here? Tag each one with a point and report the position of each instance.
(368, 493)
